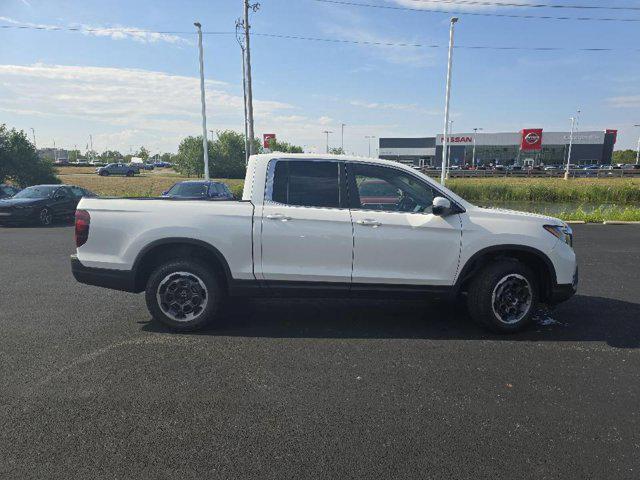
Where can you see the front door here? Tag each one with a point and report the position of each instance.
(397, 240)
(306, 226)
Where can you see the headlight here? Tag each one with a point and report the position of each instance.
(563, 232)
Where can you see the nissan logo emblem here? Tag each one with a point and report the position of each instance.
(532, 138)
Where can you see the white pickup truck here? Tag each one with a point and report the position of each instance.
(325, 225)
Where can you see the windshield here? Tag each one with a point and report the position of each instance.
(35, 192)
(189, 190)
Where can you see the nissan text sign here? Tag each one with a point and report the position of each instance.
(531, 139)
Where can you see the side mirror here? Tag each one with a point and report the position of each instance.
(441, 206)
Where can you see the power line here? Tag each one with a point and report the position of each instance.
(527, 5)
(477, 14)
(337, 40)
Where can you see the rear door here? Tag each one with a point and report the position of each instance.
(397, 239)
(306, 226)
(64, 203)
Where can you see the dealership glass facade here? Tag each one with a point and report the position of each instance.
(588, 148)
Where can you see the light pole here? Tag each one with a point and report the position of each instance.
(205, 145)
(211, 132)
(342, 125)
(369, 137)
(473, 158)
(445, 154)
(240, 39)
(247, 58)
(327, 132)
(34, 138)
(574, 120)
(449, 149)
(637, 153)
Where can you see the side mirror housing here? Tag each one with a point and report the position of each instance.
(441, 206)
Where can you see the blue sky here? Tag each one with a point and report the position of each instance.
(132, 89)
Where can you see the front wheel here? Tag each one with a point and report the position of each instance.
(129, 173)
(503, 296)
(183, 295)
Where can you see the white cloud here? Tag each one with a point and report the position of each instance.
(629, 101)
(117, 32)
(161, 108)
(393, 106)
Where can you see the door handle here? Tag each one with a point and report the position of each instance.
(278, 216)
(369, 222)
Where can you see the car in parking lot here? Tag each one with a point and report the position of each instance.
(117, 169)
(43, 204)
(304, 226)
(7, 191)
(199, 190)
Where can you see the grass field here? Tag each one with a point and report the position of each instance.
(608, 199)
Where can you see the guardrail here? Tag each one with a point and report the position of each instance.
(573, 173)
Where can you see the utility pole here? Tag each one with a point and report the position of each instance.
(327, 132)
(445, 139)
(211, 132)
(342, 125)
(247, 57)
(473, 158)
(369, 137)
(240, 39)
(34, 138)
(55, 151)
(205, 143)
(573, 124)
(638, 152)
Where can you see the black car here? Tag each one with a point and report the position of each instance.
(42, 204)
(7, 191)
(199, 190)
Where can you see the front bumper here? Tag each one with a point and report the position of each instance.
(103, 277)
(562, 292)
(17, 215)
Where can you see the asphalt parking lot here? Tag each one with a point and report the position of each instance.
(89, 388)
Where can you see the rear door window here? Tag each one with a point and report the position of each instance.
(307, 183)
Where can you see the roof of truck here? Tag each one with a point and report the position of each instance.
(320, 156)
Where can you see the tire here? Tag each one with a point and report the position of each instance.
(45, 217)
(130, 173)
(503, 296)
(104, 174)
(183, 295)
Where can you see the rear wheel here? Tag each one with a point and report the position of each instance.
(183, 295)
(503, 296)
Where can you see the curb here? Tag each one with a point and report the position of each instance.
(619, 222)
(575, 222)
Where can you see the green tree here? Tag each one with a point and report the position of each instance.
(110, 156)
(336, 151)
(624, 156)
(143, 153)
(166, 157)
(284, 147)
(19, 162)
(226, 155)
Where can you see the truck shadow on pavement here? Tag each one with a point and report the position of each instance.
(581, 319)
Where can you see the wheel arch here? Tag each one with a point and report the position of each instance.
(179, 247)
(535, 259)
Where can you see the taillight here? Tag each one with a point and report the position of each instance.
(83, 220)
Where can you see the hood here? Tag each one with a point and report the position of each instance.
(517, 215)
(20, 202)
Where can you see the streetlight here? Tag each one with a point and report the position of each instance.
(211, 132)
(574, 120)
(449, 148)
(34, 138)
(327, 132)
(369, 137)
(638, 152)
(205, 145)
(473, 158)
(445, 155)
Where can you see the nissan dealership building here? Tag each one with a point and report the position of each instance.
(529, 146)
